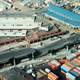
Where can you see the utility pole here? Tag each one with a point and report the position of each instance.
(32, 55)
(14, 62)
(67, 48)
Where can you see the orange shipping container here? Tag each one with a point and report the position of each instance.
(79, 57)
(52, 66)
(52, 76)
(75, 63)
(63, 61)
(56, 63)
(68, 66)
(77, 60)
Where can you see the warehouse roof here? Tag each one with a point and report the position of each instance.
(18, 23)
(66, 16)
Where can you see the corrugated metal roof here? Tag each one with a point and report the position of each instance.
(68, 17)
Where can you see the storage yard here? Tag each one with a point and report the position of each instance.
(39, 40)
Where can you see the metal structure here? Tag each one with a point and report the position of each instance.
(24, 53)
(65, 16)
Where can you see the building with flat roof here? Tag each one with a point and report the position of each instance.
(17, 26)
(18, 23)
(70, 18)
(13, 32)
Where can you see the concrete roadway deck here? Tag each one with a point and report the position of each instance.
(36, 62)
(13, 46)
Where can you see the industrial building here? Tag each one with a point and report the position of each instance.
(18, 23)
(17, 26)
(13, 32)
(59, 13)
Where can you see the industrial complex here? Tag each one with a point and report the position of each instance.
(39, 39)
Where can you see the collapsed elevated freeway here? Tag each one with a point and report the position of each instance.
(75, 39)
(27, 52)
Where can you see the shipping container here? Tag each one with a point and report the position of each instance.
(43, 78)
(54, 65)
(52, 76)
(39, 74)
(66, 67)
(71, 56)
(63, 68)
(78, 57)
(63, 73)
(63, 61)
(43, 72)
(75, 63)
(77, 69)
(77, 60)
(67, 79)
(69, 64)
(70, 76)
(77, 54)
(76, 74)
(47, 70)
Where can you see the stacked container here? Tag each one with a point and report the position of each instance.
(71, 56)
(63, 73)
(77, 61)
(79, 57)
(63, 61)
(77, 54)
(43, 72)
(52, 76)
(73, 74)
(71, 69)
(42, 75)
(70, 76)
(54, 65)
(66, 67)
(77, 70)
